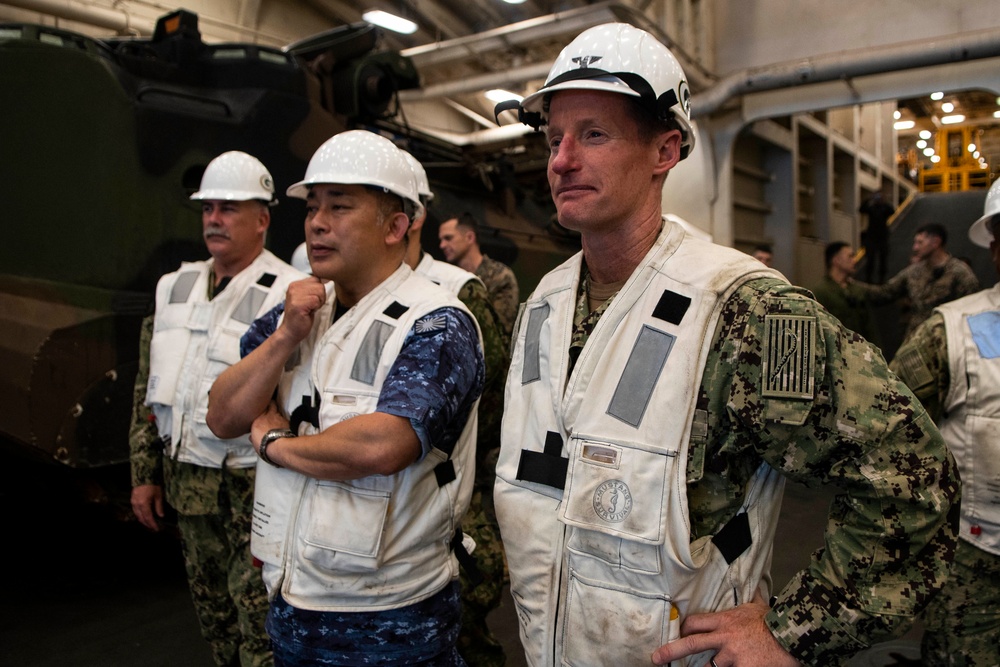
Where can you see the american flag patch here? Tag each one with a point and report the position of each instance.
(430, 324)
(788, 356)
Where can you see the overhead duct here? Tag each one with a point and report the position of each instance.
(111, 19)
(847, 65)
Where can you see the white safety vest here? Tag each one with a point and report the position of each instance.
(194, 340)
(971, 426)
(591, 482)
(380, 542)
(448, 276)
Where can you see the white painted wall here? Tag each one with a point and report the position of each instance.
(752, 33)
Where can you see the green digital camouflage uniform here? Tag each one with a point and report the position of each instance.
(892, 533)
(925, 288)
(476, 643)
(962, 624)
(503, 293)
(214, 508)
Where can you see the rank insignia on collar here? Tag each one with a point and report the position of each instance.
(788, 356)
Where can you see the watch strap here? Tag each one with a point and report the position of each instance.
(269, 437)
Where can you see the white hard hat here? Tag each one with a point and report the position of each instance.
(618, 58)
(423, 185)
(236, 176)
(981, 231)
(300, 259)
(359, 157)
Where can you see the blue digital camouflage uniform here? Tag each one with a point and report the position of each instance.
(890, 536)
(962, 624)
(434, 382)
(214, 508)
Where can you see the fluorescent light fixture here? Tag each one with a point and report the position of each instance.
(951, 120)
(921, 144)
(925, 134)
(947, 107)
(935, 159)
(500, 95)
(904, 124)
(390, 21)
(937, 96)
(928, 151)
(896, 114)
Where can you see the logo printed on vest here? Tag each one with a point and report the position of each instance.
(613, 501)
(349, 415)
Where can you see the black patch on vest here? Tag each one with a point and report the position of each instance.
(547, 467)
(444, 472)
(395, 309)
(267, 280)
(734, 538)
(671, 307)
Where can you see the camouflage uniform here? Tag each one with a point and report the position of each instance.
(925, 287)
(476, 642)
(503, 293)
(890, 538)
(214, 507)
(962, 624)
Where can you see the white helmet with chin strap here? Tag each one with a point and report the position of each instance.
(618, 58)
(236, 176)
(983, 231)
(359, 157)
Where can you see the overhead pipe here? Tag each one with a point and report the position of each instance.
(847, 65)
(111, 19)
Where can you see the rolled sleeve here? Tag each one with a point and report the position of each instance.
(436, 378)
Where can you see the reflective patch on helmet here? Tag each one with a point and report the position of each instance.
(366, 363)
(532, 371)
(246, 310)
(985, 328)
(788, 356)
(181, 290)
(642, 370)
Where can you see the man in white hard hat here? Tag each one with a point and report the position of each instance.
(952, 363)
(202, 309)
(368, 445)
(662, 386)
(482, 579)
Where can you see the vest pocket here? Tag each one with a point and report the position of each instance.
(608, 624)
(350, 538)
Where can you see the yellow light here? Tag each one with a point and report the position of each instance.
(951, 120)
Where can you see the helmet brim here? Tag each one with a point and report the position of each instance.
(229, 195)
(979, 232)
(534, 102)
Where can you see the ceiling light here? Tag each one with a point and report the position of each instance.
(976, 154)
(921, 144)
(935, 159)
(896, 114)
(904, 124)
(996, 114)
(937, 96)
(513, 2)
(925, 134)
(928, 151)
(951, 120)
(972, 148)
(500, 95)
(947, 107)
(390, 21)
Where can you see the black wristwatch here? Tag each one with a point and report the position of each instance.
(271, 436)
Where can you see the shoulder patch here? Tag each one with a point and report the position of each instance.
(430, 324)
(789, 361)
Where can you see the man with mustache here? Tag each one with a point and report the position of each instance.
(202, 309)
